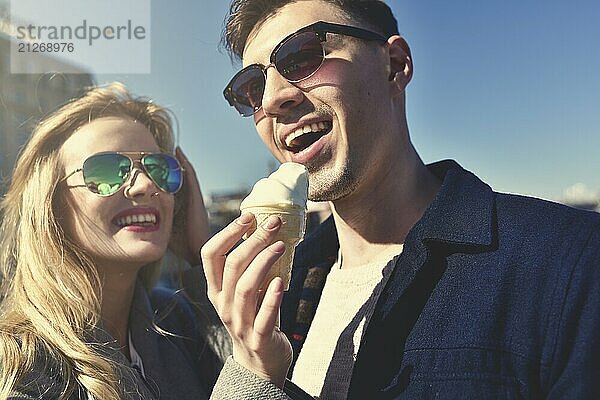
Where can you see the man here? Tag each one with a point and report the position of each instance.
(424, 283)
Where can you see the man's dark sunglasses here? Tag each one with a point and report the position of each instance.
(297, 57)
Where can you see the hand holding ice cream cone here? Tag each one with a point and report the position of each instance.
(284, 194)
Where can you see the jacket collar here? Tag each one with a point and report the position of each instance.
(462, 211)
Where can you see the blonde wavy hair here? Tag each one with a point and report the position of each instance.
(50, 289)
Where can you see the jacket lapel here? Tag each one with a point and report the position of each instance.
(459, 219)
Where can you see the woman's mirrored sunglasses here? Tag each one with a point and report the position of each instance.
(105, 173)
(297, 57)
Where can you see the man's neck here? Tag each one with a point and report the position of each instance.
(381, 212)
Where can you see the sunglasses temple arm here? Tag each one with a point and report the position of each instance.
(71, 174)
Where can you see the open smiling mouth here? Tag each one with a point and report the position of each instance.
(141, 220)
(304, 137)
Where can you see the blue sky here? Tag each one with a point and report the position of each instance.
(510, 89)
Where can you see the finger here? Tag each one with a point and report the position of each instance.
(267, 318)
(239, 259)
(250, 231)
(181, 156)
(214, 252)
(247, 294)
(190, 172)
(187, 166)
(196, 225)
(196, 201)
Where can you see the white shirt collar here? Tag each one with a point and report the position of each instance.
(136, 359)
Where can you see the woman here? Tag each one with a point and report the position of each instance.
(95, 200)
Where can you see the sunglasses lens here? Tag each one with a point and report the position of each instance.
(104, 174)
(296, 59)
(164, 170)
(300, 56)
(247, 90)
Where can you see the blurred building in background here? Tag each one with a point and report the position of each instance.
(223, 208)
(24, 99)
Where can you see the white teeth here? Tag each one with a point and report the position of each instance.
(139, 218)
(290, 138)
(314, 127)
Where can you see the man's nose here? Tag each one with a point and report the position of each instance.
(279, 95)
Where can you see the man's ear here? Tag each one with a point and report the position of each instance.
(401, 66)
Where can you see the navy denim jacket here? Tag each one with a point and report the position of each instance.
(495, 296)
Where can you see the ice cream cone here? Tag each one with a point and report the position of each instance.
(293, 223)
(283, 193)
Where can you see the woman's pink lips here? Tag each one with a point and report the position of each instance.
(141, 228)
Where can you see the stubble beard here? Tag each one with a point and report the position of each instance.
(331, 184)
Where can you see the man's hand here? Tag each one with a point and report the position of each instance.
(251, 317)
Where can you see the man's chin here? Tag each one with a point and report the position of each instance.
(330, 184)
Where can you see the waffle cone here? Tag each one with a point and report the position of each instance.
(291, 232)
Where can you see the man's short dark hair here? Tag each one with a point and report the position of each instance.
(244, 15)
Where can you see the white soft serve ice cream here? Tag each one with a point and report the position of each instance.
(284, 194)
(288, 186)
